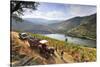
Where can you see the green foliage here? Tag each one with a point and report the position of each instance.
(18, 19)
(17, 8)
(87, 28)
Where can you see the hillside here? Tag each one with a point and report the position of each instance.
(64, 26)
(22, 54)
(41, 21)
(87, 29)
(28, 26)
(77, 22)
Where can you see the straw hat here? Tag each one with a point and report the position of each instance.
(43, 41)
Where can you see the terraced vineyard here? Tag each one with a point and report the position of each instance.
(21, 50)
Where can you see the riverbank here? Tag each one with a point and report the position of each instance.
(83, 37)
(84, 53)
(74, 40)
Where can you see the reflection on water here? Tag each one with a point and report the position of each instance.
(56, 36)
(86, 42)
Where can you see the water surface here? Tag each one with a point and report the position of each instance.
(75, 40)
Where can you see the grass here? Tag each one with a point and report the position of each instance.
(79, 53)
(84, 31)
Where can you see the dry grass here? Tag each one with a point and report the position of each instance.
(71, 53)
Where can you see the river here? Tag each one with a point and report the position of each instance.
(74, 40)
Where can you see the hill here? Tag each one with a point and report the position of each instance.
(87, 28)
(22, 54)
(41, 21)
(28, 26)
(64, 26)
(75, 24)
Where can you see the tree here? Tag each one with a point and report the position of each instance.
(17, 7)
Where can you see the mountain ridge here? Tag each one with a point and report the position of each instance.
(41, 21)
(28, 26)
(87, 29)
(65, 26)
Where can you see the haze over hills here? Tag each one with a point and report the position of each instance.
(28, 26)
(77, 26)
(41, 21)
(65, 26)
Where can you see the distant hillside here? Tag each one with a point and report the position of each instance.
(64, 26)
(41, 21)
(87, 28)
(67, 25)
(28, 26)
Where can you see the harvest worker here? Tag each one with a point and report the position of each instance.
(43, 41)
(62, 53)
(43, 45)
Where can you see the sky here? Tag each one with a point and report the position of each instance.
(58, 11)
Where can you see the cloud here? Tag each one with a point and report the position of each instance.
(68, 12)
(50, 15)
(55, 15)
(80, 10)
